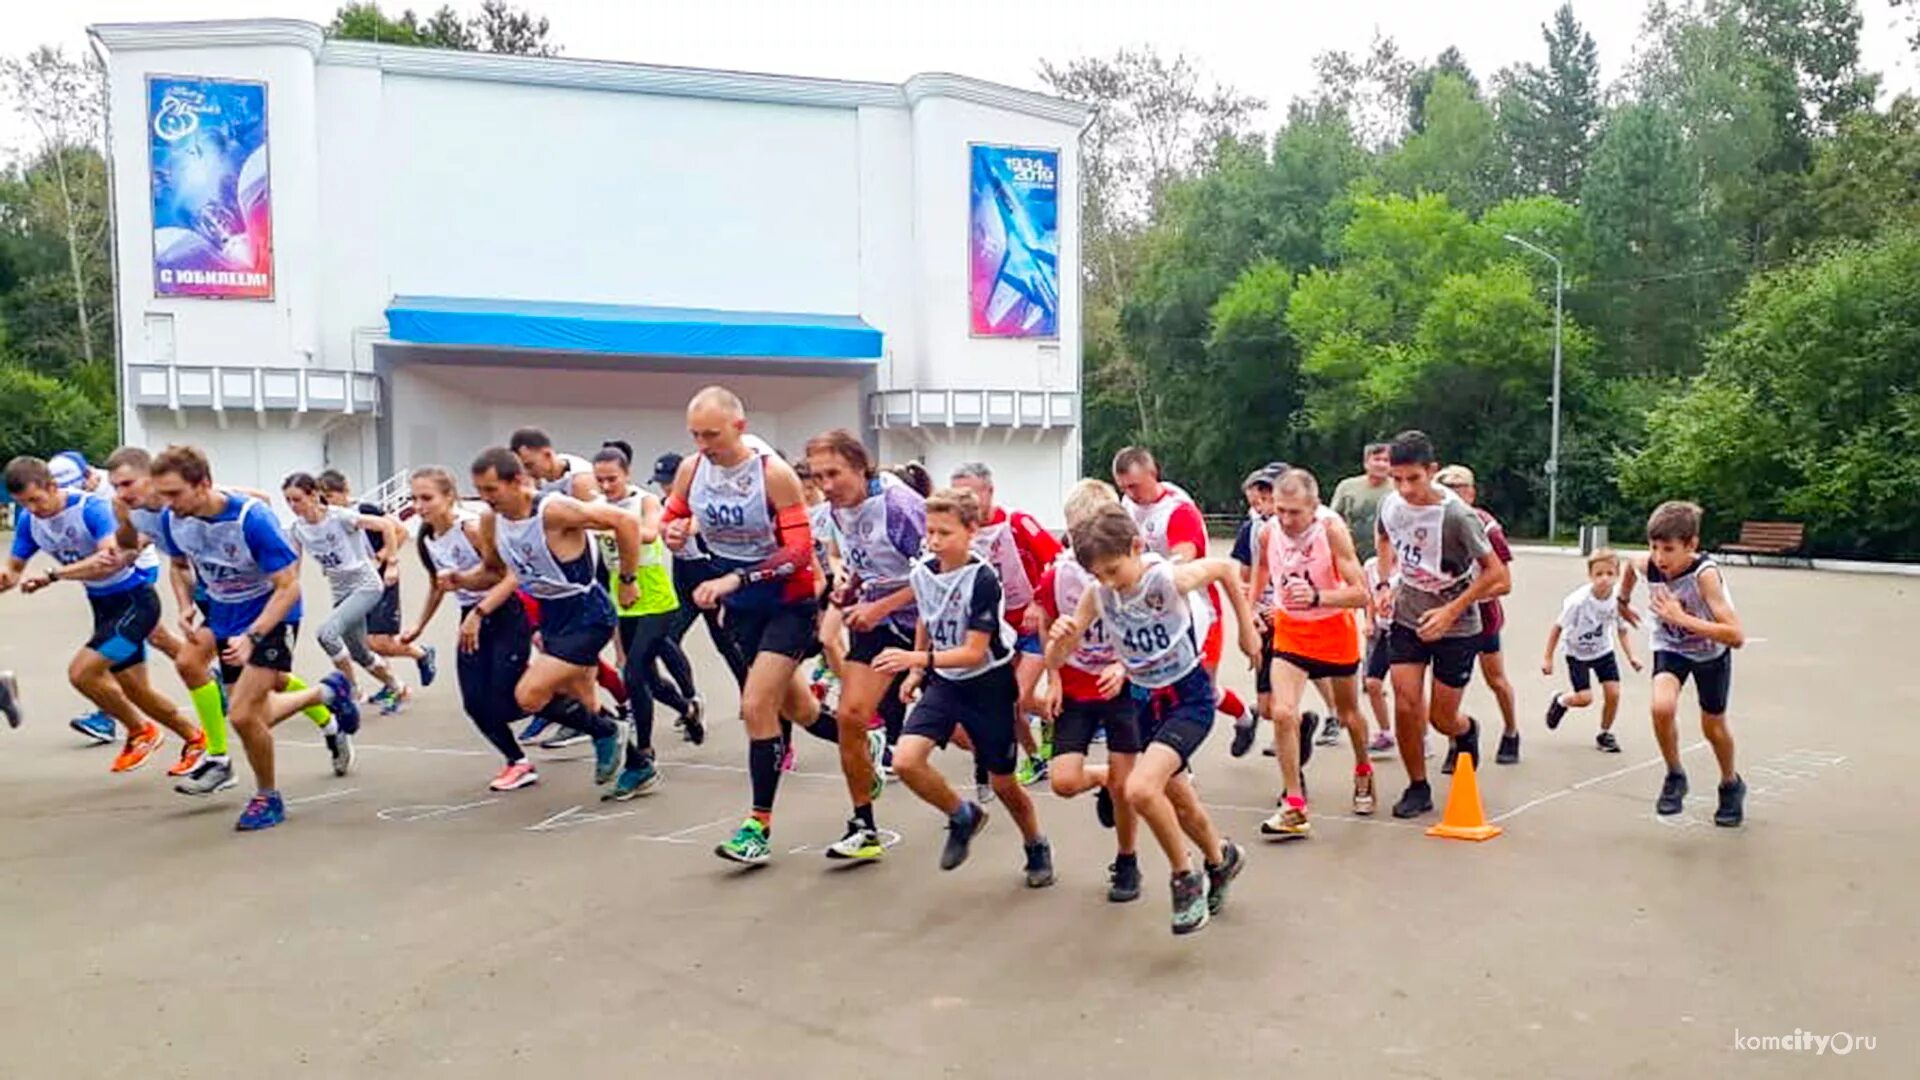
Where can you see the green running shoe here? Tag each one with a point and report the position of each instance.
(748, 845)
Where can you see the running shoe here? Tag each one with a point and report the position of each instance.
(1099, 738)
(1287, 823)
(190, 755)
(961, 830)
(1733, 804)
(391, 707)
(1030, 771)
(860, 844)
(1363, 794)
(264, 811)
(515, 776)
(748, 844)
(1606, 741)
(1189, 902)
(1232, 861)
(1039, 864)
(1509, 751)
(876, 750)
(692, 724)
(1381, 746)
(535, 728)
(1270, 750)
(341, 703)
(1468, 743)
(140, 746)
(634, 783)
(563, 737)
(381, 697)
(1673, 795)
(97, 726)
(429, 665)
(341, 747)
(1415, 801)
(983, 793)
(1329, 734)
(886, 765)
(606, 753)
(1123, 881)
(10, 698)
(1103, 806)
(1555, 713)
(211, 775)
(1309, 724)
(1242, 738)
(786, 757)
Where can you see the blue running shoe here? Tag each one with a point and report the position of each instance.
(429, 665)
(97, 726)
(341, 703)
(381, 697)
(9, 698)
(535, 728)
(264, 811)
(606, 755)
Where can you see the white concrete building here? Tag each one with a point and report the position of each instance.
(464, 243)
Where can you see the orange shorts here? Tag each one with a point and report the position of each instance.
(1332, 641)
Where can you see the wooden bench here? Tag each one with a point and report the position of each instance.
(1780, 539)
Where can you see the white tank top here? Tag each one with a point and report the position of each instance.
(1308, 558)
(654, 554)
(1154, 517)
(996, 545)
(946, 602)
(147, 523)
(731, 507)
(1686, 589)
(337, 543)
(820, 519)
(571, 465)
(1154, 627)
(219, 552)
(867, 546)
(65, 536)
(453, 550)
(1417, 534)
(523, 545)
(1071, 582)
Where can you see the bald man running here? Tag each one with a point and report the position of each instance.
(752, 513)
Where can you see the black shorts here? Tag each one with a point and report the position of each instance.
(1712, 679)
(576, 628)
(1582, 672)
(1377, 652)
(985, 705)
(863, 646)
(1488, 642)
(275, 652)
(1263, 675)
(1316, 669)
(1073, 731)
(384, 619)
(790, 630)
(1451, 657)
(122, 622)
(1178, 716)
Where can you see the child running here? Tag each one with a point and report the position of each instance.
(963, 651)
(1589, 621)
(1695, 631)
(1089, 694)
(1143, 602)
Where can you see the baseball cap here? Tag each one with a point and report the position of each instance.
(1455, 476)
(1257, 478)
(69, 468)
(665, 468)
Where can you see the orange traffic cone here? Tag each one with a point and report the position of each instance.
(1464, 819)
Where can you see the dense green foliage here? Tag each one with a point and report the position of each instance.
(1737, 222)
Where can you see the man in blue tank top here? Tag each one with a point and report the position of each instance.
(234, 545)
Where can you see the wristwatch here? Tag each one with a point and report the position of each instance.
(257, 638)
(629, 579)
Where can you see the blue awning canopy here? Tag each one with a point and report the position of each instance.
(628, 329)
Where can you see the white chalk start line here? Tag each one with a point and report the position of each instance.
(1587, 783)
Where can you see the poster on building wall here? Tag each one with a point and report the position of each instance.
(1014, 243)
(212, 200)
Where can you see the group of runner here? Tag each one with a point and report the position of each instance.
(944, 615)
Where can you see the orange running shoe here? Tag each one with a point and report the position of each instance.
(139, 748)
(190, 755)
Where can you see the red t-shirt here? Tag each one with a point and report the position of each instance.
(1186, 526)
(1492, 616)
(1037, 548)
(1076, 685)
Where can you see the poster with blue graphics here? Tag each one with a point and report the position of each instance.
(1013, 268)
(212, 195)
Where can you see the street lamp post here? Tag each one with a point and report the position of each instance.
(1553, 448)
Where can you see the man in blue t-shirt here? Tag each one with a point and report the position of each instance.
(78, 531)
(234, 545)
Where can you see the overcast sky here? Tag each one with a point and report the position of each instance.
(1263, 47)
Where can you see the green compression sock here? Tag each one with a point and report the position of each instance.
(213, 717)
(316, 713)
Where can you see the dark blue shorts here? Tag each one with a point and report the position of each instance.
(1712, 679)
(984, 705)
(1178, 716)
(122, 622)
(576, 628)
(1582, 672)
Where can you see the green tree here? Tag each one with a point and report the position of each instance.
(498, 28)
(1809, 407)
(1450, 62)
(1456, 152)
(1549, 116)
(41, 416)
